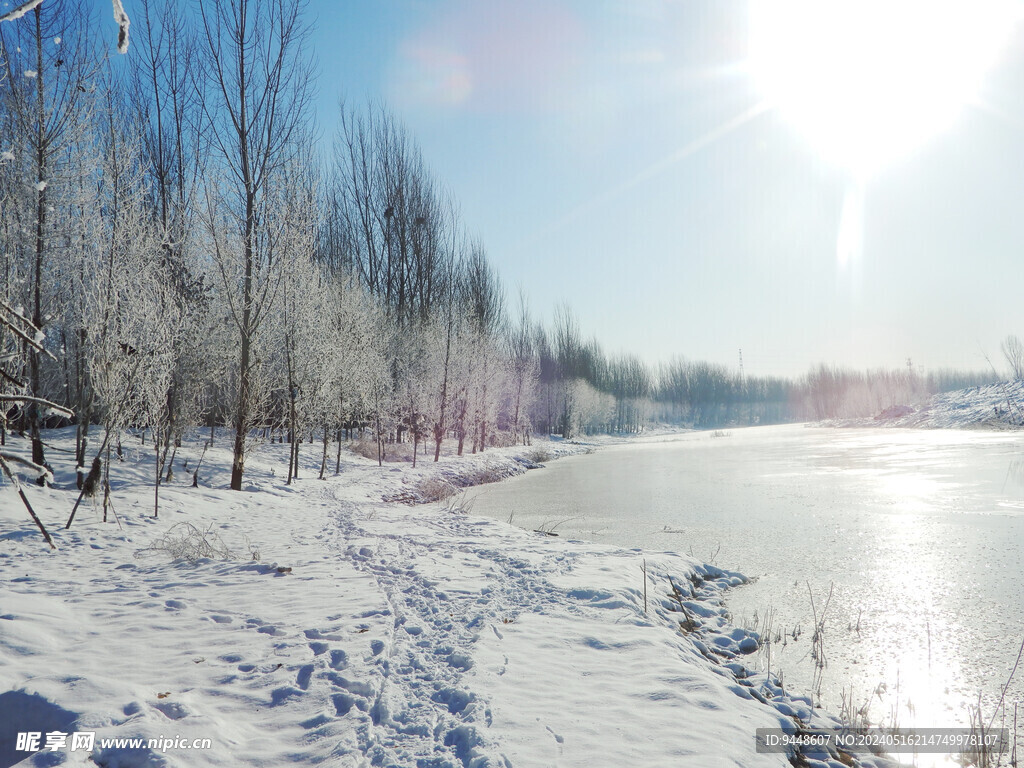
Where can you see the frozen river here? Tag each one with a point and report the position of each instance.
(921, 532)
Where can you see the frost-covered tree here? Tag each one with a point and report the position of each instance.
(256, 112)
(448, 333)
(47, 58)
(130, 322)
(304, 301)
(484, 302)
(522, 373)
(359, 336)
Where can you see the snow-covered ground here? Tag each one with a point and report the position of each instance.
(350, 631)
(993, 406)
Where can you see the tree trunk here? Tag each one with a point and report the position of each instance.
(37, 309)
(323, 460)
(159, 475)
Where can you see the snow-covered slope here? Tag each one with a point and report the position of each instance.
(366, 632)
(993, 406)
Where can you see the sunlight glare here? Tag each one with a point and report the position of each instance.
(868, 81)
(850, 240)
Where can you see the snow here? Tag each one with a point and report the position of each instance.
(6, 156)
(993, 406)
(123, 23)
(41, 185)
(366, 632)
(30, 73)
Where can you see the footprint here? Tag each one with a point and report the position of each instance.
(175, 605)
(318, 648)
(316, 634)
(339, 660)
(316, 722)
(172, 709)
(280, 695)
(302, 679)
(221, 619)
(353, 686)
(460, 661)
(342, 703)
(455, 699)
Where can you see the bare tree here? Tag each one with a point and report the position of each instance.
(1013, 351)
(393, 221)
(256, 112)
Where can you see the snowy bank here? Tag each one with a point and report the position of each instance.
(992, 406)
(351, 631)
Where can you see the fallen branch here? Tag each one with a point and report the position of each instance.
(14, 481)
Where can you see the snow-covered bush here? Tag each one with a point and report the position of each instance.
(184, 541)
(435, 489)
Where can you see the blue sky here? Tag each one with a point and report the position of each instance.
(610, 154)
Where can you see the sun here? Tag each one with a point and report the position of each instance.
(866, 81)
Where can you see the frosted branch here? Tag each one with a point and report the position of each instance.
(60, 409)
(20, 11)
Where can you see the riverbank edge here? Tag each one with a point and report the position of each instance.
(713, 634)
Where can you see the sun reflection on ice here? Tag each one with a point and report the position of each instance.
(913, 492)
(919, 661)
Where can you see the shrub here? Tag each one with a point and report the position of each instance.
(183, 541)
(539, 455)
(485, 475)
(435, 489)
(365, 448)
(392, 451)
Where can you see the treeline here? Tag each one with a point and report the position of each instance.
(173, 253)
